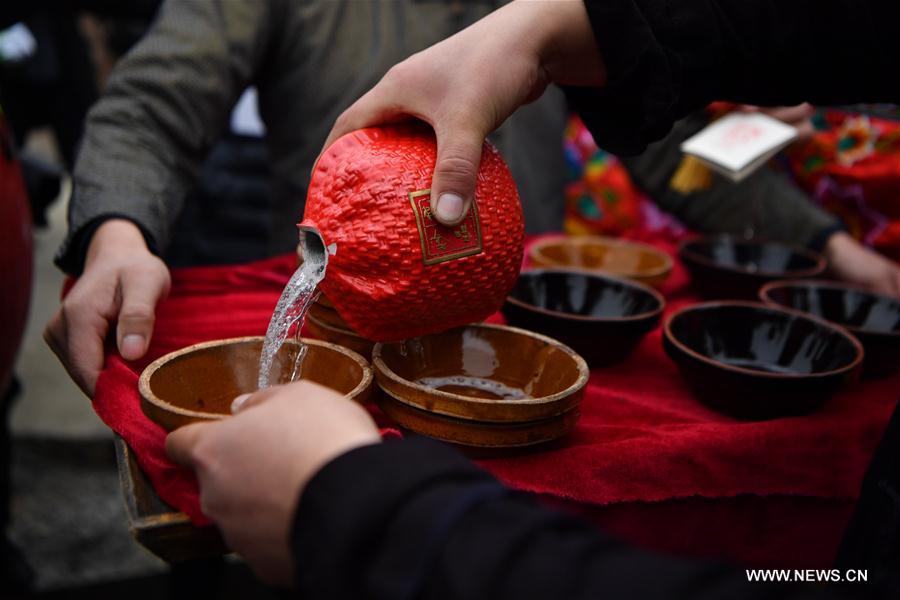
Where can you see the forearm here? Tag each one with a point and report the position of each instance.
(767, 201)
(414, 519)
(166, 103)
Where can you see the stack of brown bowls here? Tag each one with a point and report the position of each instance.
(483, 386)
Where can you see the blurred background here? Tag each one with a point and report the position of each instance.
(67, 534)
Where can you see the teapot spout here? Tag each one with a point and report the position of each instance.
(312, 244)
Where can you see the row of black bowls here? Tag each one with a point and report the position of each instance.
(723, 266)
(744, 358)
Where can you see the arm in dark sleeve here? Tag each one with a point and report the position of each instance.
(767, 200)
(666, 58)
(165, 104)
(414, 519)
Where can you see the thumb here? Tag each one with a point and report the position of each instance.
(245, 401)
(181, 442)
(141, 289)
(455, 173)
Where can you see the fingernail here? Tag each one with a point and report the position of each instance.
(132, 346)
(238, 403)
(449, 207)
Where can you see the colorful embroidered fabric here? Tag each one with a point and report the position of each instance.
(600, 197)
(852, 168)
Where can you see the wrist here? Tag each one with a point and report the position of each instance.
(565, 44)
(835, 244)
(116, 235)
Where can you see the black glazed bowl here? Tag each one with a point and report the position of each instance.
(874, 319)
(754, 361)
(723, 266)
(602, 318)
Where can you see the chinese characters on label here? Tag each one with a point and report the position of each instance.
(439, 242)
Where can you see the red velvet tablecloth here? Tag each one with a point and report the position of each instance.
(646, 460)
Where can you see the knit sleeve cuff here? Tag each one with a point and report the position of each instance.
(72, 253)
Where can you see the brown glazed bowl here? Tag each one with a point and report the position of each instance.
(198, 383)
(633, 260)
(755, 361)
(602, 318)
(723, 266)
(874, 319)
(482, 385)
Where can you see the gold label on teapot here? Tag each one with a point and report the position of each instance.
(439, 242)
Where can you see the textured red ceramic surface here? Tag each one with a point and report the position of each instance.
(397, 273)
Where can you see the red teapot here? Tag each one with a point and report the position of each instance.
(393, 271)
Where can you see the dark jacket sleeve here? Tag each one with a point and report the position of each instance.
(767, 201)
(666, 58)
(165, 104)
(414, 519)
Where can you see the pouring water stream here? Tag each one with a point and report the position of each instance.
(298, 295)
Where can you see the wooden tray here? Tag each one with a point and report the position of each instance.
(155, 525)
